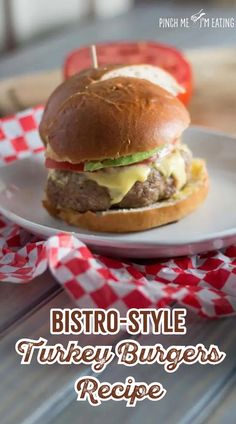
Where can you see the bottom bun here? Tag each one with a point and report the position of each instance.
(129, 220)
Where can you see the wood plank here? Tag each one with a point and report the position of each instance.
(214, 99)
(17, 300)
(28, 393)
(191, 392)
(225, 411)
(45, 393)
(22, 92)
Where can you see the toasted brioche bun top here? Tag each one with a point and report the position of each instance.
(89, 119)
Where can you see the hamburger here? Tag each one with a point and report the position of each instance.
(114, 154)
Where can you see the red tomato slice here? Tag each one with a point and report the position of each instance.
(67, 166)
(63, 166)
(164, 56)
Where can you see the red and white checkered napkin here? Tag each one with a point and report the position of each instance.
(205, 283)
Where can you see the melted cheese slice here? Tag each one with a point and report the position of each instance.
(150, 73)
(173, 165)
(119, 181)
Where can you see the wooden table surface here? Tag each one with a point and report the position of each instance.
(44, 394)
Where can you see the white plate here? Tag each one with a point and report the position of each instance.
(210, 227)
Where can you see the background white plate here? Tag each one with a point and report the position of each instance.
(210, 227)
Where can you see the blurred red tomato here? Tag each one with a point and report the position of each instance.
(166, 57)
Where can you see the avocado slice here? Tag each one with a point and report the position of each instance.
(122, 161)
